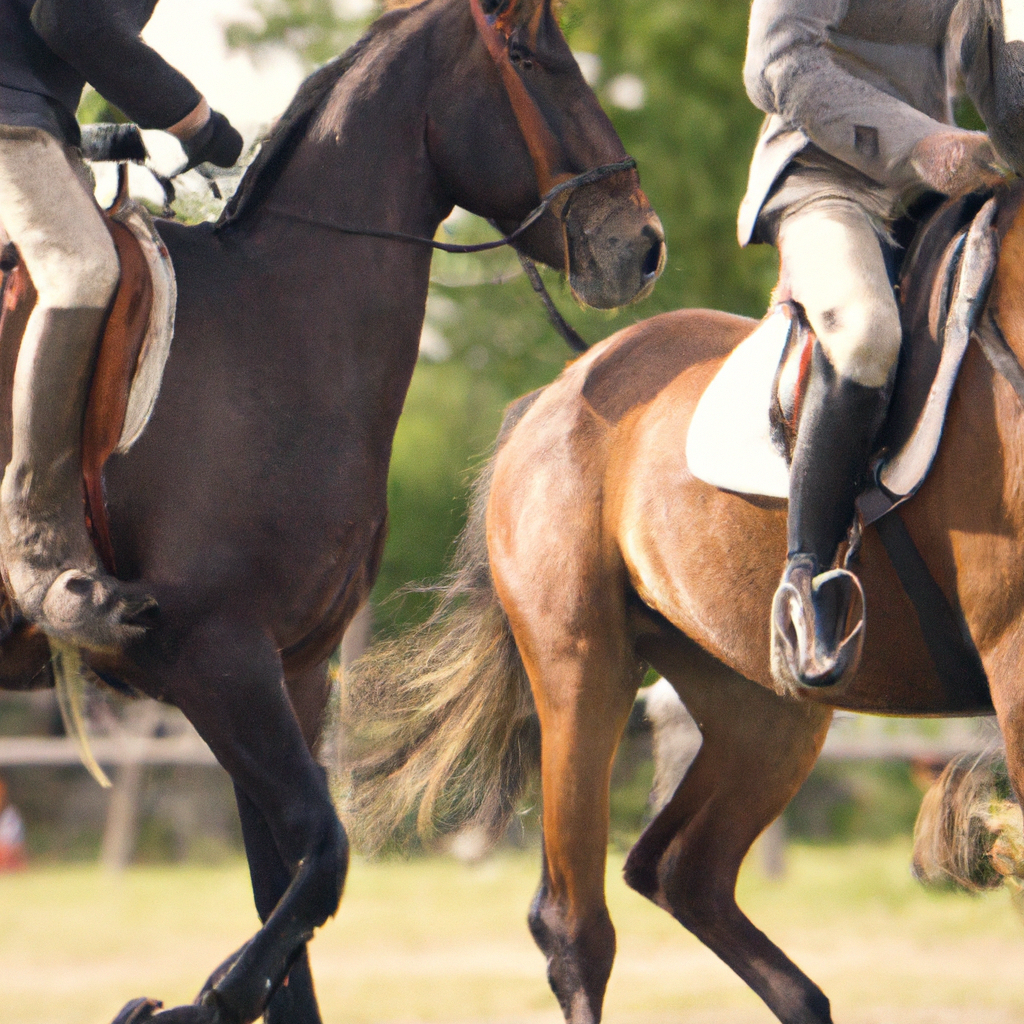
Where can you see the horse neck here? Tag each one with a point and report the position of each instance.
(362, 163)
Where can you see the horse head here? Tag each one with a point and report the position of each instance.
(527, 122)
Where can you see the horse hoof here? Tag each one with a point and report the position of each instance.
(137, 1011)
(817, 628)
(140, 1011)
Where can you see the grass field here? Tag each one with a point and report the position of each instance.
(437, 941)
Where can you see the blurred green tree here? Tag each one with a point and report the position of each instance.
(315, 30)
(668, 73)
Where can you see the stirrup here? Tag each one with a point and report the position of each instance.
(817, 627)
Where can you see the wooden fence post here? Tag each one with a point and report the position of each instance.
(120, 834)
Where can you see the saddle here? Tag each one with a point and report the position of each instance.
(134, 348)
(743, 430)
(942, 287)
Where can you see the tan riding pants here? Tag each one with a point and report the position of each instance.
(831, 260)
(48, 210)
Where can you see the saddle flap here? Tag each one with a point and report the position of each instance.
(925, 288)
(959, 289)
(131, 359)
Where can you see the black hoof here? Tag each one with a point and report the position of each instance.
(190, 1014)
(817, 628)
(137, 1010)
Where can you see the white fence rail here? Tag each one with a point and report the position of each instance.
(109, 751)
(155, 735)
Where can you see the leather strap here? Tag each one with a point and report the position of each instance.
(542, 144)
(1000, 356)
(116, 361)
(945, 632)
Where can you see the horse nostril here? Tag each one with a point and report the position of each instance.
(652, 261)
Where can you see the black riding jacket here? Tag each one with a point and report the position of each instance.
(49, 49)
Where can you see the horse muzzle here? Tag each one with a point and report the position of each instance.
(615, 252)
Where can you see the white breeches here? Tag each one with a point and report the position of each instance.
(831, 260)
(48, 210)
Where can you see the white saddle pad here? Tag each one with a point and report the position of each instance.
(729, 443)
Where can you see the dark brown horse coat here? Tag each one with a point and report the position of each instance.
(254, 506)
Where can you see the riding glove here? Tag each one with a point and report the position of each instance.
(217, 142)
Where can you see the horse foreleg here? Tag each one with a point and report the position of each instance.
(295, 1001)
(231, 689)
(757, 750)
(583, 708)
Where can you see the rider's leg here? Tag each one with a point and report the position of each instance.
(48, 557)
(832, 262)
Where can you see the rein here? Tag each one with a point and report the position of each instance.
(577, 181)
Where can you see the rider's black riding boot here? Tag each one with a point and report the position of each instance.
(814, 643)
(48, 558)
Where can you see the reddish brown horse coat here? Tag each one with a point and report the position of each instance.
(254, 506)
(608, 554)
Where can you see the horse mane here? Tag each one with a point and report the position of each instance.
(290, 128)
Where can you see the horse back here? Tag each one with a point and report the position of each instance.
(638, 364)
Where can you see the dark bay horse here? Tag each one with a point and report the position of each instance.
(254, 506)
(593, 553)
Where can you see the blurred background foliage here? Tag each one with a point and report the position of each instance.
(668, 73)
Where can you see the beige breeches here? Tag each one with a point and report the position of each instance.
(831, 260)
(48, 210)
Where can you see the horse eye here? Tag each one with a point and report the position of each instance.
(520, 56)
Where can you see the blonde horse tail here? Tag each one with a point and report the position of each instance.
(441, 728)
(968, 832)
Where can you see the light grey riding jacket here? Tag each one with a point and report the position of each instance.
(866, 80)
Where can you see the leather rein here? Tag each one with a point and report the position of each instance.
(543, 149)
(576, 181)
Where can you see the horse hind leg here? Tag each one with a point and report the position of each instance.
(756, 751)
(583, 706)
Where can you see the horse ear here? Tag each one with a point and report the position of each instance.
(512, 14)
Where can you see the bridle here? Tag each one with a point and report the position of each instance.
(543, 149)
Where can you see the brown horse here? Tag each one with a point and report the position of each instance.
(593, 553)
(254, 506)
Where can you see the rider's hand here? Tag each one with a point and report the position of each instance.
(957, 162)
(217, 142)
